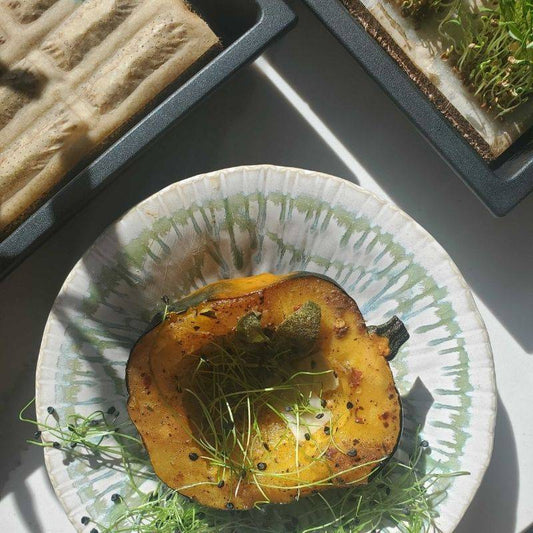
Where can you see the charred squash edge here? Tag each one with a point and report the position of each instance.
(393, 330)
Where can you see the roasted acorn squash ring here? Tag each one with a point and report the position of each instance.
(362, 405)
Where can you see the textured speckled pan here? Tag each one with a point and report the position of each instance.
(248, 220)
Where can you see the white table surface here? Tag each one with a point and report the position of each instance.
(305, 103)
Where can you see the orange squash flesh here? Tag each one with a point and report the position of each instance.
(362, 411)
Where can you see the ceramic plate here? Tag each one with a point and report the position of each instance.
(248, 220)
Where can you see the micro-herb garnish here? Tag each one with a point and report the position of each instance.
(491, 47)
(237, 382)
(400, 494)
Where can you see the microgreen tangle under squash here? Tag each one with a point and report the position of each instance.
(401, 494)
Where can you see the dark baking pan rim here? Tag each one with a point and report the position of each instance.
(274, 18)
(501, 184)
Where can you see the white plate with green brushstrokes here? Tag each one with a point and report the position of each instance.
(253, 219)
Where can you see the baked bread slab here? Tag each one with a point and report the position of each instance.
(73, 73)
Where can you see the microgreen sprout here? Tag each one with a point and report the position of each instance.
(401, 494)
(491, 47)
(245, 378)
(420, 9)
(79, 436)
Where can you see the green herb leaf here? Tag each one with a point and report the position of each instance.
(249, 329)
(299, 331)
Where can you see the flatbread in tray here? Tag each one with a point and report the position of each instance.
(73, 74)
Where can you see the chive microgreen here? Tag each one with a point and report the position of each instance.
(493, 51)
(490, 46)
(401, 494)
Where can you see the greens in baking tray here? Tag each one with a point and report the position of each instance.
(474, 58)
(253, 392)
(490, 46)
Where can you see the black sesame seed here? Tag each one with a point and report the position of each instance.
(193, 456)
(73, 444)
(323, 403)
(349, 405)
(387, 491)
(165, 299)
(56, 445)
(288, 408)
(230, 506)
(319, 415)
(307, 436)
(85, 520)
(115, 498)
(37, 434)
(94, 530)
(261, 466)
(335, 374)
(111, 410)
(220, 484)
(352, 453)
(50, 410)
(424, 444)
(266, 446)
(326, 430)
(70, 427)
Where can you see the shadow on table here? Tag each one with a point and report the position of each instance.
(493, 509)
(24, 495)
(494, 255)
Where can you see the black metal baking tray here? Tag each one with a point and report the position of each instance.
(245, 28)
(500, 184)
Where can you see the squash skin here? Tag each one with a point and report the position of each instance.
(358, 357)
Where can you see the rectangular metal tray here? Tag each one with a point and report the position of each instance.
(500, 184)
(245, 28)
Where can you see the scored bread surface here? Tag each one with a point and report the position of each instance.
(72, 72)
